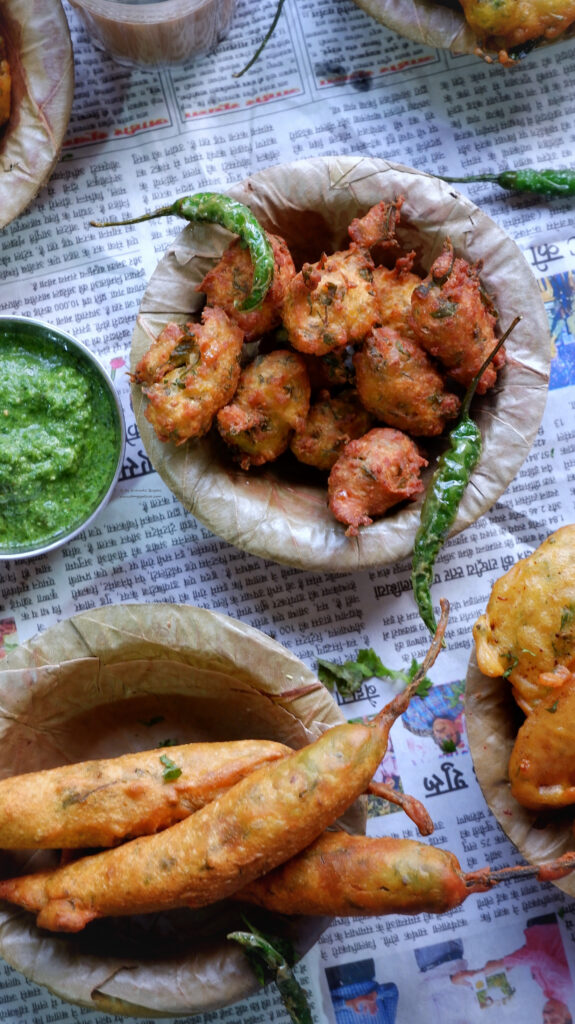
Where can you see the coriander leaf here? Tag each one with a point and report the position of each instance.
(348, 677)
(371, 663)
(448, 747)
(171, 770)
(553, 707)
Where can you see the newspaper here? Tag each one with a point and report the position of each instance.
(330, 81)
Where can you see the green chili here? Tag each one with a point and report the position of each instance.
(444, 493)
(547, 183)
(272, 959)
(231, 214)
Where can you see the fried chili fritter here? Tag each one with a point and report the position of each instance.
(330, 424)
(271, 401)
(454, 320)
(397, 382)
(527, 635)
(542, 763)
(503, 25)
(228, 284)
(372, 474)
(188, 373)
(527, 632)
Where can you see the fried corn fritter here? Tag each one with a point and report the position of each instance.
(454, 320)
(229, 282)
(397, 382)
(330, 424)
(189, 372)
(505, 24)
(527, 632)
(542, 763)
(394, 288)
(271, 401)
(372, 474)
(331, 303)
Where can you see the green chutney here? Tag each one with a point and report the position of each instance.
(60, 436)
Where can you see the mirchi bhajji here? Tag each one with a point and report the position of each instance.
(527, 636)
(507, 25)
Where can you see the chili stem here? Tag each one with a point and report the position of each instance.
(264, 42)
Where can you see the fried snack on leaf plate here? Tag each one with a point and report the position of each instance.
(504, 31)
(279, 510)
(259, 823)
(519, 700)
(122, 679)
(38, 50)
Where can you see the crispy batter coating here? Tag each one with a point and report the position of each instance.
(228, 283)
(454, 320)
(271, 401)
(372, 474)
(377, 226)
(394, 288)
(331, 371)
(398, 383)
(527, 632)
(503, 24)
(331, 303)
(102, 802)
(331, 423)
(542, 763)
(189, 372)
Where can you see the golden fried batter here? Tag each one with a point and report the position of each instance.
(504, 24)
(527, 632)
(394, 288)
(331, 371)
(377, 226)
(331, 423)
(229, 283)
(398, 383)
(189, 372)
(271, 401)
(331, 303)
(542, 764)
(454, 320)
(372, 474)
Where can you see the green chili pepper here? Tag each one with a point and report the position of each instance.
(547, 183)
(443, 496)
(270, 959)
(231, 214)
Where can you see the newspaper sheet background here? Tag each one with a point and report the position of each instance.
(330, 81)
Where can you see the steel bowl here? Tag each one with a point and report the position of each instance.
(35, 332)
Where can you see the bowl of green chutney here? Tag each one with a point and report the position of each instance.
(62, 437)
